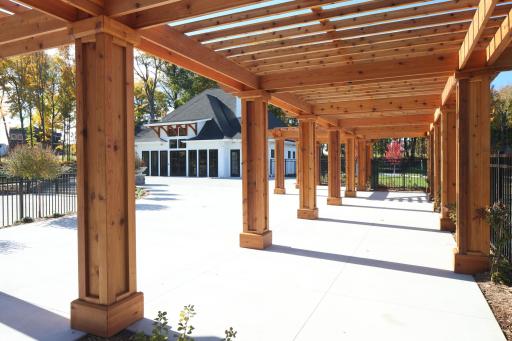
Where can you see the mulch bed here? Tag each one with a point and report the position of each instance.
(499, 298)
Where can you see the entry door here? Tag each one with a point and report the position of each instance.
(164, 163)
(192, 163)
(154, 163)
(214, 163)
(235, 163)
(178, 163)
(203, 163)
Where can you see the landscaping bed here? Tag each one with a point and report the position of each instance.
(499, 297)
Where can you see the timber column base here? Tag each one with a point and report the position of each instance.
(279, 191)
(256, 241)
(334, 201)
(306, 213)
(470, 264)
(350, 194)
(446, 224)
(107, 320)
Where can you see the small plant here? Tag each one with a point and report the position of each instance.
(140, 193)
(160, 330)
(452, 212)
(32, 163)
(185, 329)
(230, 334)
(437, 203)
(497, 216)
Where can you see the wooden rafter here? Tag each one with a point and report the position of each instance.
(500, 41)
(481, 17)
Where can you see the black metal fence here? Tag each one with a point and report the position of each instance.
(290, 168)
(31, 199)
(324, 171)
(401, 174)
(501, 188)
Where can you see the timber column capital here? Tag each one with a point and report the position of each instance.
(253, 95)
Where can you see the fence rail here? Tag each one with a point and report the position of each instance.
(501, 189)
(400, 174)
(21, 199)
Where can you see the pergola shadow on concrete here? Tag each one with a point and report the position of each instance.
(361, 71)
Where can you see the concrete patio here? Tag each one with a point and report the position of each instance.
(375, 268)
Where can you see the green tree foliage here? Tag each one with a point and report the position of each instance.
(40, 91)
(181, 85)
(32, 163)
(280, 114)
(501, 119)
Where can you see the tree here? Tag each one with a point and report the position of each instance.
(180, 85)
(66, 97)
(394, 152)
(39, 71)
(280, 114)
(148, 69)
(3, 92)
(18, 88)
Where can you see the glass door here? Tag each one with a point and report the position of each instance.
(235, 163)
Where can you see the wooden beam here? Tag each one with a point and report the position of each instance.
(266, 11)
(88, 6)
(480, 19)
(13, 7)
(28, 24)
(116, 8)
(184, 9)
(55, 8)
(449, 90)
(179, 44)
(385, 121)
(418, 67)
(380, 105)
(500, 41)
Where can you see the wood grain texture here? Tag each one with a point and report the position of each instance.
(473, 174)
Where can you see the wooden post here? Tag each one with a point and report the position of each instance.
(361, 169)
(334, 172)
(298, 167)
(369, 155)
(473, 174)
(430, 164)
(350, 189)
(317, 163)
(437, 163)
(108, 299)
(307, 193)
(279, 166)
(256, 233)
(448, 167)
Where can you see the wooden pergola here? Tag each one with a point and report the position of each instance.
(381, 68)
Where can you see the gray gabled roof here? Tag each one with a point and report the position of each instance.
(214, 105)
